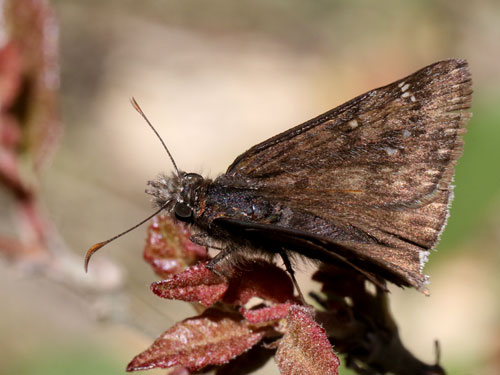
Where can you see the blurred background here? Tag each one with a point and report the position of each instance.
(216, 78)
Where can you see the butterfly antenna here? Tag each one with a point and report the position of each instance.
(99, 245)
(138, 109)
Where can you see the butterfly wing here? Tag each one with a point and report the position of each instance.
(381, 164)
(359, 255)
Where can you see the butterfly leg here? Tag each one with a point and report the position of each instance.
(212, 264)
(291, 271)
(202, 239)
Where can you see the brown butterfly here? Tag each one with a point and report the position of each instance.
(366, 185)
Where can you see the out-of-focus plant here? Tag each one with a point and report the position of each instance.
(29, 118)
(30, 129)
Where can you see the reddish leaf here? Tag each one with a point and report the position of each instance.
(198, 284)
(10, 176)
(179, 371)
(168, 247)
(247, 363)
(266, 314)
(29, 113)
(10, 132)
(213, 338)
(10, 74)
(259, 279)
(195, 284)
(305, 349)
(33, 29)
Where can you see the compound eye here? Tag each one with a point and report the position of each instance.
(183, 212)
(193, 177)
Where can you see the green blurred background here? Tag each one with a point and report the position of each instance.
(216, 77)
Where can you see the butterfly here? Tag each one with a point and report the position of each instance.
(366, 185)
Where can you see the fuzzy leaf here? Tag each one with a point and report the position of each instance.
(305, 349)
(248, 362)
(213, 338)
(266, 314)
(195, 284)
(168, 247)
(179, 370)
(259, 279)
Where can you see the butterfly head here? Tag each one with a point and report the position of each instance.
(178, 193)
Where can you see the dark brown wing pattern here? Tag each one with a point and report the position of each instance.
(381, 163)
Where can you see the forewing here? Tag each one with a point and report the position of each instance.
(382, 161)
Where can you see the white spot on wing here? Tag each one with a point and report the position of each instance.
(432, 172)
(390, 151)
(406, 134)
(412, 98)
(405, 94)
(353, 124)
(401, 84)
(405, 87)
